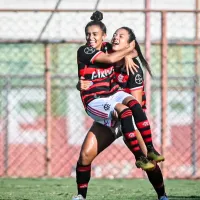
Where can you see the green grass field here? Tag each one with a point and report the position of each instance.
(117, 189)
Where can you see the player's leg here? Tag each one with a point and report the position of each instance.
(155, 175)
(129, 134)
(143, 126)
(140, 141)
(118, 133)
(97, 139)
(156, 179)
(101, 110)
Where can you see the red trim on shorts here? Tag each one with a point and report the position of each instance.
(136, 88)
(97, 112)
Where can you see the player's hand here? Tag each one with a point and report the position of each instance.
(129, 65)
(84, 84)
(134, 54)
(132, 45)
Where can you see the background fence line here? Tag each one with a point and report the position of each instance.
(42, 121)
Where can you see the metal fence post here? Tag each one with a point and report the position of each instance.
(48, 118)
(6, 125)
(195, 95)
(148, 56)
(163, 86)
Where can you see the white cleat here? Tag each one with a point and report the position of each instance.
(78, 197)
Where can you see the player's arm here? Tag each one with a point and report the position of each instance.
(114, 56)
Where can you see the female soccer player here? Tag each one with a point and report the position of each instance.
(98, 138)
(101, 100)
(102, 136)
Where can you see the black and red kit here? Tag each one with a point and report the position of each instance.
(102, 75)
(132, 82)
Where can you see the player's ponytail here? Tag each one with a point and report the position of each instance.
(142, 59)
(96, 18)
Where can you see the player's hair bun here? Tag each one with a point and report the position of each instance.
(97, 16)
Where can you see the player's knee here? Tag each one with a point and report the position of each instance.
(85, 158)
(120, 107)
(128, 99)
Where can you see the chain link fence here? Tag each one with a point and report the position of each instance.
(42, 120)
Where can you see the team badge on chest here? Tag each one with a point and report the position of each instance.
(89, 50)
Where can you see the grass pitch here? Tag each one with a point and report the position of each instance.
(116, 189)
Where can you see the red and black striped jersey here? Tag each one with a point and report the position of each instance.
(102, 75)
(131, 82)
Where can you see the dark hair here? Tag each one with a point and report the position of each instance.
(137, 47)
(96, 20)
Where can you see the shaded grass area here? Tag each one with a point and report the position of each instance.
(120, 189)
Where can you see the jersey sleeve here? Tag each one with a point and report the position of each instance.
(87, 55)
(136, 81)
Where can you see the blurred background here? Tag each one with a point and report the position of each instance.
(42, 120)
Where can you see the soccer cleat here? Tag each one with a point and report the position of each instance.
(163, 198)
(144, 163)
(78, 197)
(154, 155)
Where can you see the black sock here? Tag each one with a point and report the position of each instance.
(83, 174)
(129, 133)
(156, 178)
(141, 122)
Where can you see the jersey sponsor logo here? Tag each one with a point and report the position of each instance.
(120, 78)
(102, 74)
(138, 79)
(106, 106)
(89, 50)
